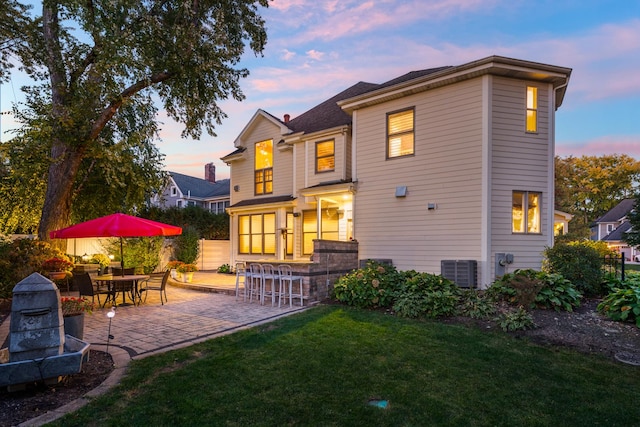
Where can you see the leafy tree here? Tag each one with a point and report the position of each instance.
(589, 186)
(632, 237)
(12, 24)
(100, 67)
(208, 225)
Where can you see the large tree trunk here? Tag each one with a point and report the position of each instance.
(56, 211)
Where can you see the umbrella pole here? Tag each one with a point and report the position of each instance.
(121, 257)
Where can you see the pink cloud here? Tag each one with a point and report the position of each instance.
(629, 145)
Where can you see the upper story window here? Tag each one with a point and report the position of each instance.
(532, 109)
(526, 212)
(174, 190)
(264, 167)
(400, 133)
(325, 156)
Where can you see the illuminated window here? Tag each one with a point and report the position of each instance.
(400, 127)
(532, 109)
(257, 234)
(329, 226)
(289, 234)
(325, 156)
(264, 167)
(526, 212)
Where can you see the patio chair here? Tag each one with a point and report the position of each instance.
(286, 277)
(85, 288)
(124, 286)
(156, 282)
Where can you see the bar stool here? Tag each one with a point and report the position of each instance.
(285, 274)
(255, 281)
(269, 274)
(242, 276)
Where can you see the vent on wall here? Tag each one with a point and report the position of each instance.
(463, 273)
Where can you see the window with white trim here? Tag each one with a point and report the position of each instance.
(526, 212)
(257, 234)
(264, 167)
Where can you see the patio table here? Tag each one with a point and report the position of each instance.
(111, 280)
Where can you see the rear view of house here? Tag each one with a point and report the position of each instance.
(446, 164)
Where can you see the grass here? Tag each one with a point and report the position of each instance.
(321, 368)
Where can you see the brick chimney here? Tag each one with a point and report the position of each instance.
(286, 118)
(210, 172)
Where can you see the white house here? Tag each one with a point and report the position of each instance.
(446, 164)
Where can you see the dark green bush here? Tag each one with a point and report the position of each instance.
(372, 286)
(476, 304)
(578, 262)
(20, 258)
(187, 245)
(427, 295)
(530, 288)
(623, 303)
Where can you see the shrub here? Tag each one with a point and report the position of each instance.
(20, 258)
(476, 305)
(519, 319)
(557, 293)
(372, 286)
(140, 252)
(187, 245)
(623, 304)
(518, 288)
(427, 295)
(579, 263)
(531, 288)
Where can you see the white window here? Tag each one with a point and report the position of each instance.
(174, 190)
(610, 228)
(526, 212)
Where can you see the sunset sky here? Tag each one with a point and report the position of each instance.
(317, 48)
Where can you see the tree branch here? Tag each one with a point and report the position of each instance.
(113, 107)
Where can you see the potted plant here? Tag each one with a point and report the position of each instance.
(57, 268)
(224, 269)
(172, 266)
(187, 271)
(73, 311)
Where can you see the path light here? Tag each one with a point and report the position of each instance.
(110, 314)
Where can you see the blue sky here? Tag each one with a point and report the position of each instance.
(317, 48)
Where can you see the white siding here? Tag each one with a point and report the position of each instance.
(520, 161)
(446, 170)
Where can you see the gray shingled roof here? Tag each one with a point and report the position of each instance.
(617, 212)
(201, 188)
(328, 114)
(618, 234)
(411, 75)
(263, 201)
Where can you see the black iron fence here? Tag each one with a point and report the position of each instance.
(614, 266)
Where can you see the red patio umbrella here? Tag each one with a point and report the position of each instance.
(117, 225)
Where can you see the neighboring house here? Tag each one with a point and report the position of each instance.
(449, 163)
(184, 190)
(612, 226)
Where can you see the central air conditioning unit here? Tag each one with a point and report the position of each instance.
(463, 273)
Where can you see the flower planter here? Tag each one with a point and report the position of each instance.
(74, 325)
(174, 274)
(57, 275)
(187, 277)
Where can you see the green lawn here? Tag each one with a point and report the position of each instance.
(321, 368)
